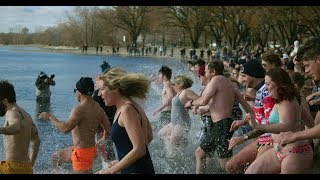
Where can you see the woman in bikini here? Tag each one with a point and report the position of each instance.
(285, 116)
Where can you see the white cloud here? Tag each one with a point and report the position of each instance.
(32, 17)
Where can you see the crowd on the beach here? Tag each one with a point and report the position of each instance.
(269, 97)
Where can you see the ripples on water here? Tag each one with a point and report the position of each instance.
(21, 67)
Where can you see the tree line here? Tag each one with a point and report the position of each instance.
(192, 26)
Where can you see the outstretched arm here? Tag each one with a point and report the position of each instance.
(289, 137)
(64, 127)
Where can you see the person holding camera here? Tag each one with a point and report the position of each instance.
(43, 84)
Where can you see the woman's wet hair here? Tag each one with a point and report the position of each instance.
(128, 84)
(184, 81)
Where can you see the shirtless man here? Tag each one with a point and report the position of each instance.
(252, 75)
(83, 123)
(167, 94)
(19, 132)
(220, 95)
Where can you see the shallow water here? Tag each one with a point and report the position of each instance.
(22, 65)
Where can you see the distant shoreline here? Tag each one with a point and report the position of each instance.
(107, 51)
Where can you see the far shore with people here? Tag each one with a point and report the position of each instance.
(106, 51)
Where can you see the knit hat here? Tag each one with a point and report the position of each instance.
(253, 68)
(85, 85)
(290, 65)
(104, 66)
(42, 74)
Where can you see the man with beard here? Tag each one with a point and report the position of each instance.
(19, 132)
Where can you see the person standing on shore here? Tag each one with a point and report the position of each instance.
(83, 123)
(19, 133)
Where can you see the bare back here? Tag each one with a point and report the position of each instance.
(16, 146)
(222, 93)
(90, 115)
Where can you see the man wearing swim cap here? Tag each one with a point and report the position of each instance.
(83, 122)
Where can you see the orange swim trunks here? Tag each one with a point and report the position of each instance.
(82, 158)
(9, 167)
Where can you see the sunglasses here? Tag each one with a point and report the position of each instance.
(74, 90)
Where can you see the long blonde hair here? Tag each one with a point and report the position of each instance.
(128, 84)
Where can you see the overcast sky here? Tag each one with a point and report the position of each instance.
(35, 18)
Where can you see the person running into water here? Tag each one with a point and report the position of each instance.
(252, 75)
(131, 130)
(220, 95)
(83, 122)
(285, 116)
(175, 134)
(19, 133)
(107, 152)
(167, 94)
(309, 55)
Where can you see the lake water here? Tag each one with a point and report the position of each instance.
(22, 65)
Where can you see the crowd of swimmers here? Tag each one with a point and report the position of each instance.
(271, 101)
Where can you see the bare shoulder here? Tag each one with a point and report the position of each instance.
(134, 109)
(217, 80)
(188, 91)
(77, 109)
(285, 104)
(167, 85)
(14, 114)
